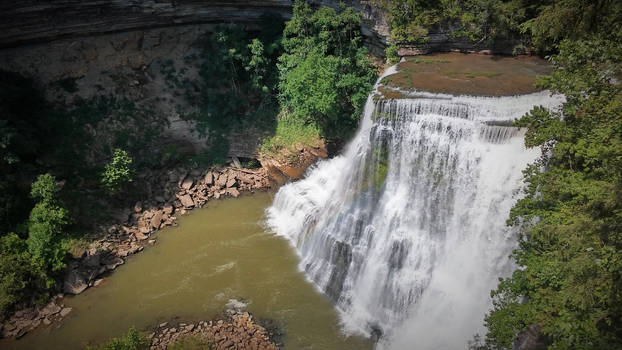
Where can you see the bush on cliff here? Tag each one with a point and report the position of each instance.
(118, 173)
(325, 72)
(237, 87)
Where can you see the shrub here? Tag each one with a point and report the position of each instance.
(44, 188)
(118, 173)
(45, 225)
(133, 340)
(289, 132)
(391, 53)
(20, 276)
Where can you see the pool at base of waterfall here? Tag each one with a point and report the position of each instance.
(217, 253)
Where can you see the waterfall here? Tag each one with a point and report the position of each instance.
(405, 231)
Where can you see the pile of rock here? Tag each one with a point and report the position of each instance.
(240, 333)
(28, 319)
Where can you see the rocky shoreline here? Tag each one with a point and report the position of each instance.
(240, 332)
(181, 191)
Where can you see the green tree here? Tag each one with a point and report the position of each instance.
(20, 276)
(118, 173)
(325, 72)
(570, 253)
(46, 224)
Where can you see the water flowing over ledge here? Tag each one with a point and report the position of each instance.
(405, 231)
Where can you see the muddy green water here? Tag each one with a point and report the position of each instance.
(217, 253)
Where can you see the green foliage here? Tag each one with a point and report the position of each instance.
(20, 277)
(570, 219)
(238, 84)
(118, 173)
(289, 132)
(538, 24)
(44, 188)
(571, 19)
(45, 226)
(392, 53)
(133, 340)
(325, 73)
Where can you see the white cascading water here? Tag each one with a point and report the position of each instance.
(406, 231)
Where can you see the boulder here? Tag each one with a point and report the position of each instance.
(209, 178)
(91, 260)
(144, 226)
(156, 220)
(168, 209)
(98, 282)
(186, 201)
(50, 309)
(187, 183)
(244, 178)
(230, 182)
(74, 282)
(140, 235)
(222, 181)
(64, 312)
(113, 262)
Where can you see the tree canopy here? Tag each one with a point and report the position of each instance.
(325, 72)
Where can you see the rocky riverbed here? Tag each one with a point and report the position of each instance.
(181, 190)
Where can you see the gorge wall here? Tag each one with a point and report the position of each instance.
(133, 49)
(137, 50)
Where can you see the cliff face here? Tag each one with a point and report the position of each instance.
(127, 48)
(32, 21)
(35, 21)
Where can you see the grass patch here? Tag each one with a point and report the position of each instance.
(472, 75)
(289, 132)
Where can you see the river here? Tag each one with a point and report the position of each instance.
(217, 253)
